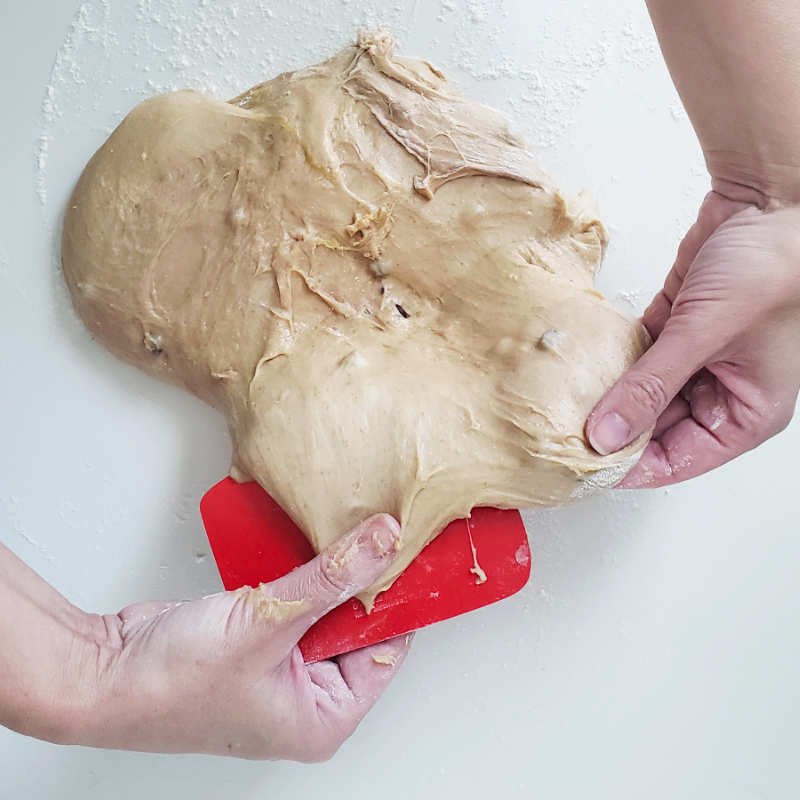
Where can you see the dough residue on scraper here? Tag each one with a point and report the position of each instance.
(372, 279)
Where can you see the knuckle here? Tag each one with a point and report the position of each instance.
(758, 423)
(332, 578)
(647, 391)
(780, 419)
(324, 749)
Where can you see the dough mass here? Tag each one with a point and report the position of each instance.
(371, 278)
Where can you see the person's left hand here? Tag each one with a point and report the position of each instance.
(224, 674)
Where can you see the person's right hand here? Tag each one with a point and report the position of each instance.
(723, 373)
(224, 674)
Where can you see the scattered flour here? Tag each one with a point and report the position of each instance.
(113, 56)
(635, 299)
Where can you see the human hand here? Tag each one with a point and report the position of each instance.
(723, 373)
(224, 675)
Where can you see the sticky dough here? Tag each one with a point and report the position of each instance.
(372, 279)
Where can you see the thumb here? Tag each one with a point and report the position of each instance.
(635, 402)
(347, 567)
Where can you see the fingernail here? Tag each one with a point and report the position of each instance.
(370, 546)
(610, 434)
(384, 535)
(392, 651)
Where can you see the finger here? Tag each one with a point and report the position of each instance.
(708, 437)
(677, 410)
(708, 400)
(365, 674)
(141, 612)
(327, 678)
(651, 470)
(656, 315)
(368, 671)
(686, 391)
(714, 210)
(636, 401)
(347, 567)
(684, 451)
(356, 678)
(345, 689)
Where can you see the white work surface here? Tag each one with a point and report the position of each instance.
(653, 653)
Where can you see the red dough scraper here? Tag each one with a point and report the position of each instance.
(471, 564)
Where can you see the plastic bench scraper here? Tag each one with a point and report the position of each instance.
(254, 541)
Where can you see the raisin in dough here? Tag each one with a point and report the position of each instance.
(372, 279)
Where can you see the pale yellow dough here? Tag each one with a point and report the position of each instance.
(371, 278)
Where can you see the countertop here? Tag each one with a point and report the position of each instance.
(653, 653)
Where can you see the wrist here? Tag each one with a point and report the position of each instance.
(765, 183)
(67, 707)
